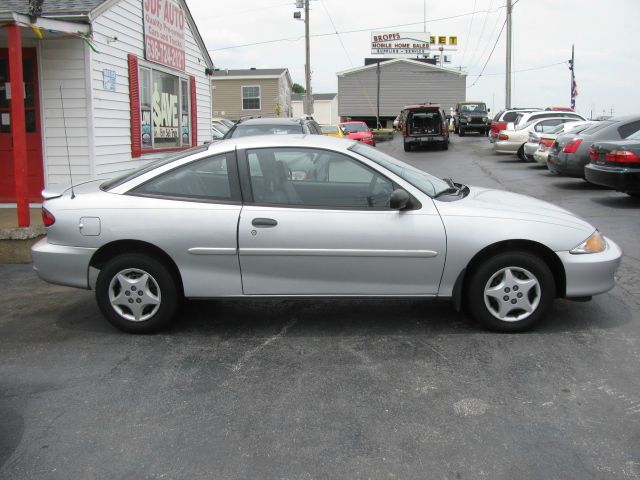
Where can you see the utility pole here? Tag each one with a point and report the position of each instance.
(507, 101)
(378, 96)
(572, 64)
(308, 104)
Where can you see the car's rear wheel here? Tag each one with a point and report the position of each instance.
(407, 147)
(461, 132)
(445, 145)
(511, 291)
(137, 293)
(521, 154)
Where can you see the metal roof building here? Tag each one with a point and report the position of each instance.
(402, 81)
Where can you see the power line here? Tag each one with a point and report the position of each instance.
(541, 67)
(464, 52)
(353, 31)
(484, 24)
(488, 42)
(490, 54)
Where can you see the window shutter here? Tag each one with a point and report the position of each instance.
(134, 99)
(194, 111)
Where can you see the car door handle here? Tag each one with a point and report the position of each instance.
(264, 222)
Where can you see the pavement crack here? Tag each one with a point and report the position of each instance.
(249, 354)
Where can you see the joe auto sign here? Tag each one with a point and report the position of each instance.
(164, 33)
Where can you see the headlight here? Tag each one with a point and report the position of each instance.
(463, 119)
(594, 244)
(484, 119)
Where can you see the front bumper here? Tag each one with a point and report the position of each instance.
(619, 178)
(62, 264)
(530, 148)
(591, 273)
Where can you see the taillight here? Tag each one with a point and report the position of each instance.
(622, 156)
(593, 155)
(572, 146)
(503, 136)
(47, 218)
(547, 142)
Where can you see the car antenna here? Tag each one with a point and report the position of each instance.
(66, 143)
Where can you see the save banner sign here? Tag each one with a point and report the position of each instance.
(164, 33)
(165, 114)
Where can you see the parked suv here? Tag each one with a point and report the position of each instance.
(247, 127)
(425, 124)
(471, 116)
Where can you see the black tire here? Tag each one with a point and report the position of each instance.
(521, 154)
(461, 132)
(407, 147)
(161, 284)
(445, 145)
(523, 266)
(455, 129)
(486, 132)
(634, 194)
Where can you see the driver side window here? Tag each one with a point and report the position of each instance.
(315, 178)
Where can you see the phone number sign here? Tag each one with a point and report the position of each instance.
(164, 33)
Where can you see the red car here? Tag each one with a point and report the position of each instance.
(358, 131)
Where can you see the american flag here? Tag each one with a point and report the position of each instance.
(574, 93)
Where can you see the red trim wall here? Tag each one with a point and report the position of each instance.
(134, 96)
(194, 112)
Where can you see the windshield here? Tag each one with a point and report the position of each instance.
(426, 183)
(473, 108)
(252, 130)
(220, 126)
(131, 174)
(354, 127)
(329, 129)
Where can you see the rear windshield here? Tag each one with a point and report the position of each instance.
(131, 174)
(597, 127)
(253, 130)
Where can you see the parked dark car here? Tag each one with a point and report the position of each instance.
(616, 165)
(425, 124)
(570, 153)
(273, 126)
(471, 117)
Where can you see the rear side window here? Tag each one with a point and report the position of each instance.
(207, 179)
(597, 127)
(629, 129)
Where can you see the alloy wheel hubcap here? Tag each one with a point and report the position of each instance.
(512, 294)
(134, 295)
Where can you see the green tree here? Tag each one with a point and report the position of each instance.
(297, 88)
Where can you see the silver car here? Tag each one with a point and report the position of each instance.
(313, 216)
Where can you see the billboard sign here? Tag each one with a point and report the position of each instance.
(164, 33)
(400, 43)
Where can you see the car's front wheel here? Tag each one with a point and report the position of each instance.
(511, 291)
(137, 293)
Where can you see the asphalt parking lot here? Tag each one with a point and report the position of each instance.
(349, 389)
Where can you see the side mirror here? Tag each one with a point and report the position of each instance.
(488, 110)
(399, 199)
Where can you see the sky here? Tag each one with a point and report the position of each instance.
(605, 35)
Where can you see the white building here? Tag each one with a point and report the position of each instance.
(325, 107)
(133, 77)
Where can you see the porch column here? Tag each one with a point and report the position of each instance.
(18, 128)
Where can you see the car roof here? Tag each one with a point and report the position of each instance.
(350, 122)
(272, 121)
(422, 105)
(272, 141)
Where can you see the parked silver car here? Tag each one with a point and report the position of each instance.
(307, 216)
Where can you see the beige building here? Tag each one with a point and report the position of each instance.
(251, 92)
(325, 107)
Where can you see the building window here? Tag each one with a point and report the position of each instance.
(251, 98)
(164, 110)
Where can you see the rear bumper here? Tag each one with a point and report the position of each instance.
(541, 157)
(565, 164)
(505, 146)
(619, 178)
(592, 273)
(61, 264)
(425, 139)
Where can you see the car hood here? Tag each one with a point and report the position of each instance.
(359, 135)
(499, 204)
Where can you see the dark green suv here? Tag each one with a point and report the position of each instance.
(471, 116)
